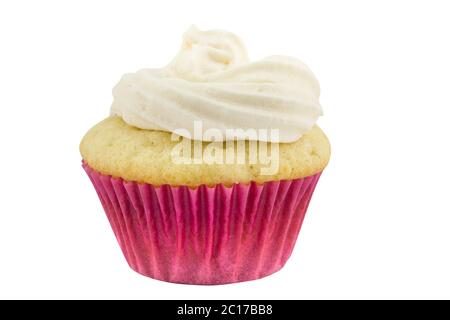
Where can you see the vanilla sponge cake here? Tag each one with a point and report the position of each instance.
(115, 148)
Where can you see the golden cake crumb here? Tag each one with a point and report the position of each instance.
(114, 148)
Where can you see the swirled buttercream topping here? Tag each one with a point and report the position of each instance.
(212, 80)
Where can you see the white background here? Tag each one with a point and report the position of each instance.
(379, 223)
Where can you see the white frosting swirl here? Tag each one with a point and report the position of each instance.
(212, 80)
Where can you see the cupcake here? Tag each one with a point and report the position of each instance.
(205, 167)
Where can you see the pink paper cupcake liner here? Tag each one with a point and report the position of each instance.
(205, 235)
